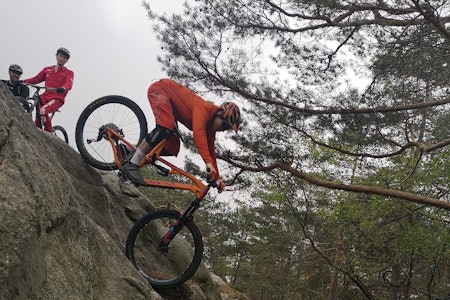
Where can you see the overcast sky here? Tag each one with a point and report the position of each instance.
(112, 45)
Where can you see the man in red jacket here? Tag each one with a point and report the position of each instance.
(60, 79)
(171, 102)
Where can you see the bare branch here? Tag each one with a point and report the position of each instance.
(345, 187)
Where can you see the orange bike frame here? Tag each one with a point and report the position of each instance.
(197, 187)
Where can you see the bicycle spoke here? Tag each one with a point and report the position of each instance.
(164, 265)
(115, 112)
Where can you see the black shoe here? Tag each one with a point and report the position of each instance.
(132, 172)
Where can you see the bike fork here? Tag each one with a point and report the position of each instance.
(176, 227)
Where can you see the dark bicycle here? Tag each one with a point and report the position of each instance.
(33, 103)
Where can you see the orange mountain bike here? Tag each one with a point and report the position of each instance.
(106, 134)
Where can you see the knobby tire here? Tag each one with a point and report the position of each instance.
(60, 132)
(117, 111)
(164, 268)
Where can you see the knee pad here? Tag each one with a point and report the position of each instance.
(158, 134)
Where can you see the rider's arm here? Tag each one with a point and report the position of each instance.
(212, 152)
(204, 138)
(69, 80)
(36, 79)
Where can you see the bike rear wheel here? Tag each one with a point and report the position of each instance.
(60, 132)
(117, 112)
(164, 266)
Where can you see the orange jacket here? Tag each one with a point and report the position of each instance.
(197, 115)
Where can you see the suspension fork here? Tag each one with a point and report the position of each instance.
(187, 216)
(178, 225)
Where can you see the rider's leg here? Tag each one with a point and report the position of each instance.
(165, 120)
(45, 111)
(131, 169)
(151, 140)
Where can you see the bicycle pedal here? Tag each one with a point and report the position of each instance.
(164, 172)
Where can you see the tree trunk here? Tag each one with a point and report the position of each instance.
(394, 290)
(334, 276)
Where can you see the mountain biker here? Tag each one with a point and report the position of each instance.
(171, 102)
(18, 89)
(58, 77)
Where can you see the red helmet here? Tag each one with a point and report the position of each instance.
(230, 112)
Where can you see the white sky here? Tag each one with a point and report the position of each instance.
(112, 45)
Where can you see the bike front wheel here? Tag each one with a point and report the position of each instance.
(164, 266)
(116, 112)
(60, 132)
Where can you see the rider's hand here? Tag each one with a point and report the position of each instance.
(60, 90)
(210, 172)
(220, 185)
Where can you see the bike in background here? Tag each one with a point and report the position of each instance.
(33, 103)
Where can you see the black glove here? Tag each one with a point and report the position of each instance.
(60, 90)
(220, 185)
(210, 173)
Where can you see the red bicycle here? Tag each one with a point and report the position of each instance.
(33, 103)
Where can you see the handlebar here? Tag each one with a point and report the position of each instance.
(39, 87)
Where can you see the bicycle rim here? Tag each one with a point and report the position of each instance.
(171, 266)
(119, 113)
(60, 132)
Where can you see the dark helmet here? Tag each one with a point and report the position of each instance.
(230, 112)
(63, 51)
(16, 68)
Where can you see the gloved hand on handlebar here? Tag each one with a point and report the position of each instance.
(60, 90)
(220, 185)
(211, 174)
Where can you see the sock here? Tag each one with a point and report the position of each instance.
(137, 157)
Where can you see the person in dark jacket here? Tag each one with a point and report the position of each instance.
(14, 85)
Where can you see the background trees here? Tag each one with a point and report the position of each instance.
(346, 107)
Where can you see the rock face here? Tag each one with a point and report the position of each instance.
(63, 225)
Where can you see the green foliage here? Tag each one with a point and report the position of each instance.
(295, 68)
(165, 197)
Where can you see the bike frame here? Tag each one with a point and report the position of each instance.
(197, 187)
(37, 98)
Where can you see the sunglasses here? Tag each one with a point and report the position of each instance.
(16, 72)
(224, 125)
